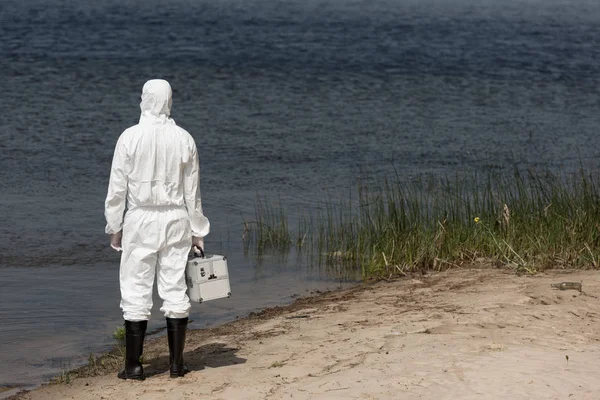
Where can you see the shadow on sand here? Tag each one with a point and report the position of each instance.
(212, 355)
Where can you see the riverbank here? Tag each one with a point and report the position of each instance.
(460, 334)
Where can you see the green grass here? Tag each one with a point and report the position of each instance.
(269, 230)
(64, 377)
(119, 333)
(525, 221)
(110, 362)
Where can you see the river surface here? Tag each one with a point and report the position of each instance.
(290, 99)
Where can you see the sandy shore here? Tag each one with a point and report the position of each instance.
(462, 334)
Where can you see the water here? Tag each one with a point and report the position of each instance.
(292, 99)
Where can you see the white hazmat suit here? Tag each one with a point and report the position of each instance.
(155, 178)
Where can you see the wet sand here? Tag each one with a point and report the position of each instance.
(461, 334)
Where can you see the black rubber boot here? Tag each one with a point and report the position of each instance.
(176, 328)
(134, 347)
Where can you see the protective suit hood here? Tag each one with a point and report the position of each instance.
(157, 98)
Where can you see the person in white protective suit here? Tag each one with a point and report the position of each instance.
(154, 214)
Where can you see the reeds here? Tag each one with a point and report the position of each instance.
(269, 230)
(526, 221)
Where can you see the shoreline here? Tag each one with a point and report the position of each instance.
(156, 344)
(422, 336)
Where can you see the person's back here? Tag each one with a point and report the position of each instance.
(155, 164)
(154, 175)
(157, 151)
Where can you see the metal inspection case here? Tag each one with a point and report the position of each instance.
(207, 278)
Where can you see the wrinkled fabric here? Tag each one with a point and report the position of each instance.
(154, 187)
(155, 164)
(156, 241)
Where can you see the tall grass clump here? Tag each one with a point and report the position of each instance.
(525, 221)
(119, 334)
(269, 230)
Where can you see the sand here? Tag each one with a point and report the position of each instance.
(461, 334)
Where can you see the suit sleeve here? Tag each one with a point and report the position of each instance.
(193, 202)
(116, 199)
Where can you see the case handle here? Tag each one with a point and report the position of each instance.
(199, 251)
